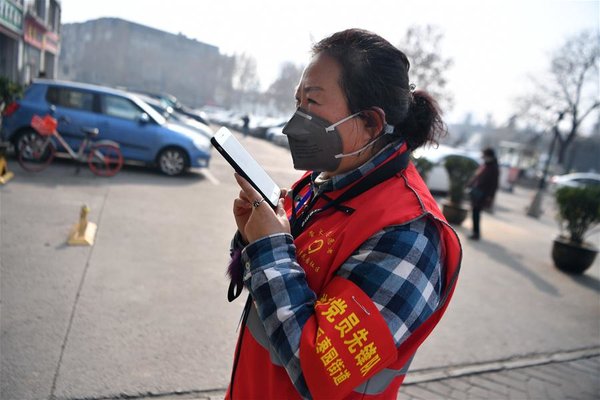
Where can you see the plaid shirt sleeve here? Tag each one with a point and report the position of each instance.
(398, 268)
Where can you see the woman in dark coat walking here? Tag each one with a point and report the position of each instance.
(483, 188)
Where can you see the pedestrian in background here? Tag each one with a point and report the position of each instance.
(246, 125)
(483, 185)
(356, 265)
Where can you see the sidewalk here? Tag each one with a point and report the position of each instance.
(575, 379)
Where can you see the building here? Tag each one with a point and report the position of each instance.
(119, 53)
(29, 39)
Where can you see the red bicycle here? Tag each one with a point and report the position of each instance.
(37, 150)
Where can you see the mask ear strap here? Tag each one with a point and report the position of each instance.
(331, 127)
(387, 128)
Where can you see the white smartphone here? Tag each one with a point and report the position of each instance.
(245, 165)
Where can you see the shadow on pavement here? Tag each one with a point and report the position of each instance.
(587, 281)
(512, 260)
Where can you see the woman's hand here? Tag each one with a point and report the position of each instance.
(257, 222)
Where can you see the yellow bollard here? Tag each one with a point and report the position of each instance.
(5, 174)
(83, 232)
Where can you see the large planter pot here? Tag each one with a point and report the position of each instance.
(571, 257)
(455, 214)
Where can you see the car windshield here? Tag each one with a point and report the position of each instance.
(152, 113)
(164, 112)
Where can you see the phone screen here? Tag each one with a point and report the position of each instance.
(246, 165)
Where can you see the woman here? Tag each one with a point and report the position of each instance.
(356, 265)
(484, 185)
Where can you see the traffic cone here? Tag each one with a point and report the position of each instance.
(83, 232)
(5, 174)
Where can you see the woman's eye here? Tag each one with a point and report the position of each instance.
(308, 101)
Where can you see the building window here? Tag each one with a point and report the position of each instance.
(40, 9)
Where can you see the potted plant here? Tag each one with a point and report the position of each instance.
(460, 170)
(578, 212)
(423, 166)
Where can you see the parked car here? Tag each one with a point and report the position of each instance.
(216, 115)
(175, 116)
(143, 134)
(177, 106)
(576, 179)
(275, 135)
(262, 124)
(437, 179)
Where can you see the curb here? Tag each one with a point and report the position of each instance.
(438, 374)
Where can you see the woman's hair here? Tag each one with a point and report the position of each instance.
(375, 74)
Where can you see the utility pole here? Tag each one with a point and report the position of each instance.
(535, 208)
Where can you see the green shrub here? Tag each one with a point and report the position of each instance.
(9, 90)
(423, 165)
(460, 170)
(578, 210)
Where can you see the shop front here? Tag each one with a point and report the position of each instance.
(11, 31)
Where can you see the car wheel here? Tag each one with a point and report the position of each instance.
(172, 161)
(21, 138)
(34, 151)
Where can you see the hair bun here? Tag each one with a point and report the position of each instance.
(424, 120)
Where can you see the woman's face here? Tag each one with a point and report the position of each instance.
(320, 94)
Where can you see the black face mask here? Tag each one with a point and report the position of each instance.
(315, 143)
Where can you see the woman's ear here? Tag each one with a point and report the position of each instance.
(374, 120)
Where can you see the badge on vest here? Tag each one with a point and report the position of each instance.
(318, 242)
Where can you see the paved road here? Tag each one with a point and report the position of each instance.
(143, 311)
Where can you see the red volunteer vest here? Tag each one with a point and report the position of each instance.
(347, 342)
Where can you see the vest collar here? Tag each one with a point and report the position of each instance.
(341, 181)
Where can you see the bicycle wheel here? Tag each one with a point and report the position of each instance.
(34, 151)
(105, 159)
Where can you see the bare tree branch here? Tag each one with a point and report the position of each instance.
(573, 87)
(588, 111)
(422, 46)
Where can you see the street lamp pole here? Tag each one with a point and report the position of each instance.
(535, 208)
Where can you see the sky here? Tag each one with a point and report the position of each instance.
(496, 46)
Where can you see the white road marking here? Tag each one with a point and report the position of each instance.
(210, 177)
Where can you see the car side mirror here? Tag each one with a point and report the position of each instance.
(144, 118)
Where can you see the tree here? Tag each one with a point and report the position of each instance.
(281, 91)
(224, 93)
(245, 77)
(422, 45)
(569, 94)
(246, 84)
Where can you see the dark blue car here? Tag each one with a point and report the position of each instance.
(143, 134)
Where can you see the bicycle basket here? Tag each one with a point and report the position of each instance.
(45, 126)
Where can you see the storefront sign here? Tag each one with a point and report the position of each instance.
(34, 32)
(11, 16)
(51, 42)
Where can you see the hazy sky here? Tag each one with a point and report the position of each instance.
(495, 45)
